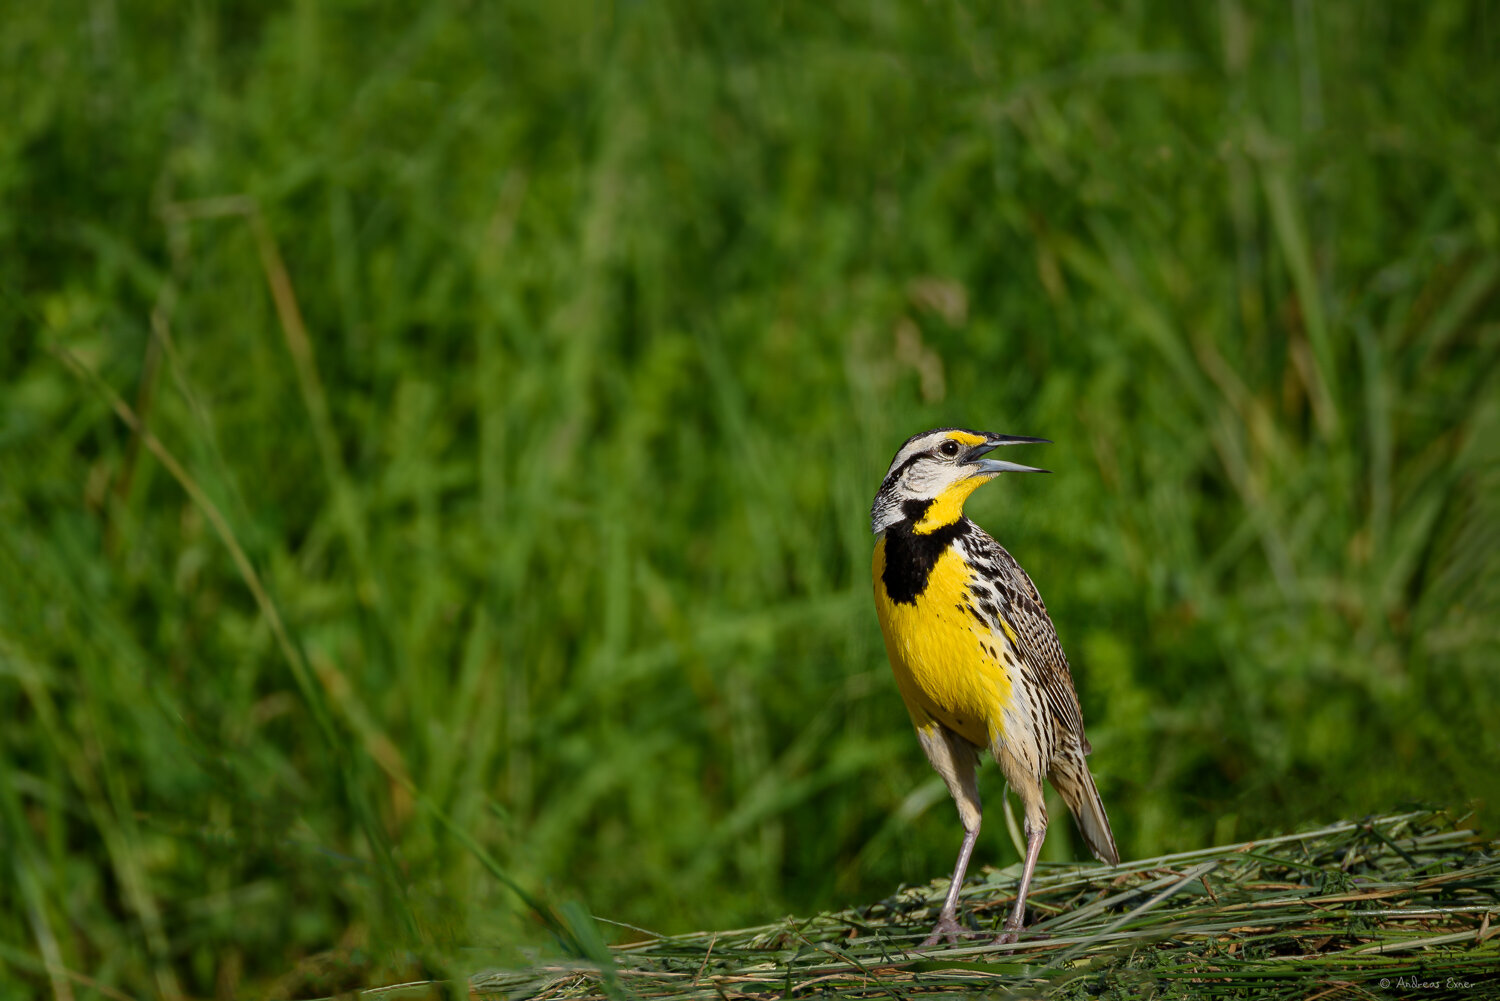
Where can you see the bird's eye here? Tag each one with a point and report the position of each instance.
(949, 448)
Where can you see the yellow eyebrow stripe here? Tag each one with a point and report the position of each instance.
(964, 438)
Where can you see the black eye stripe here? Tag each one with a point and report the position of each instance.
(895, 474)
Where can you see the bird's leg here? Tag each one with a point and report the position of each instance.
(955, 761)
(947, 927)
(1036, 832)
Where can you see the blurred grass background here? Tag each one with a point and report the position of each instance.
(516, 380)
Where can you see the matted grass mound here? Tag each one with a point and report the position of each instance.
(1404, 905)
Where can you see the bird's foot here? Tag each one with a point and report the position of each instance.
(948, 930)
(1010, 935)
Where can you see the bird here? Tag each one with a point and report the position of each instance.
(976, 658)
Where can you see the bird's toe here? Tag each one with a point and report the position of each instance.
(948, 930)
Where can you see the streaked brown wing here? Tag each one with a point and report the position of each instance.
(1018, 601)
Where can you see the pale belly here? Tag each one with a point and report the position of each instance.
(948, 666)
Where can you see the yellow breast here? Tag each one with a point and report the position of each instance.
(948, 666)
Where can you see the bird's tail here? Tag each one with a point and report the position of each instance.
(1070, 776)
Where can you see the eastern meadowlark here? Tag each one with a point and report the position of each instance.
(975, 656)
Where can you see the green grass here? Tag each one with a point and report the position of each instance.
(435, 451)
(1352, 910)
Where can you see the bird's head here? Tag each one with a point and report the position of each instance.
(935, 472)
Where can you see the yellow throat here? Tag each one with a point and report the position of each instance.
(948, 507)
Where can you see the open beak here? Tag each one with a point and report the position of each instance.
(1000, 465)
